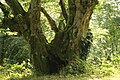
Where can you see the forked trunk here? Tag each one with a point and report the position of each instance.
(74, 42)
(68, 44)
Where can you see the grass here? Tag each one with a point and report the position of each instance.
(52, 77)
(106, 71)
(95, 76)
(115, 76)
(2, 77)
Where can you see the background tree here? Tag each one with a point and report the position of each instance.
(106, 21)
(69, 43)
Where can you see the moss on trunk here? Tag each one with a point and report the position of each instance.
(67, 44)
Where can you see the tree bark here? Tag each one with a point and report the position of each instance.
(73, 41)
(27, 24)
(76, 29)
(37, 39)
(67, 44)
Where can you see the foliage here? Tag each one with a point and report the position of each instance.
(25, 4)
(76, 67)
(102, 67)
(106, 16)
(103, 59)
(104, 53)
(15, 71)
(14, 48)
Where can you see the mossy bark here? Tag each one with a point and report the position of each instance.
(71, 42)
(67, 43)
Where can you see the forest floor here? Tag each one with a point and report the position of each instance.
(115, 75)
(112, 77)
(56, 77)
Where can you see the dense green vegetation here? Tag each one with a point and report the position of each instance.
(101, 63)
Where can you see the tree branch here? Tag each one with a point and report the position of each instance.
(71, 13)
(16, 7)
(4, 10)
(64, 12)
(6, 14)
(50, 20)
(16, 23)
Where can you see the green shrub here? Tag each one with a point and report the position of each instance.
(76, 67)
(16, 71)
(15, 48)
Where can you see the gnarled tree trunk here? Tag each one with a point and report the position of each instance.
(71, 42)
(68, 43)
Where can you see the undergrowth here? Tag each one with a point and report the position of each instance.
(94, 68)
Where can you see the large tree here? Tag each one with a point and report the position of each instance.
(68, 43)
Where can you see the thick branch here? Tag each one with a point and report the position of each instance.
(71, 13)
(14, 24)
(50, 20)
(5, 20)
(16, 7)
(64, 12)
(4, 10)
